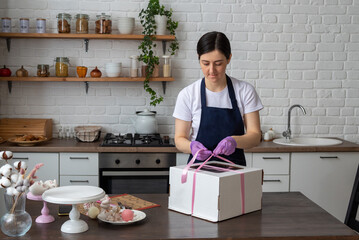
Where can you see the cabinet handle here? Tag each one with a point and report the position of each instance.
(268, 158)
(76, 181)
(329, 157)
(20, 158)
(272, 180)
(79, 158)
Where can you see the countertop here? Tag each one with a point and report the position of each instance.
(284, 216)
(71, 145)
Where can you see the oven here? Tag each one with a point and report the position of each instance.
(137, 172)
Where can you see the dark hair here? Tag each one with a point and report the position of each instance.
(214, 41)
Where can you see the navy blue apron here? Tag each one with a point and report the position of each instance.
(218, 123)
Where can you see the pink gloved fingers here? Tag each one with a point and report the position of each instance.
(202, 155)
(226, 146)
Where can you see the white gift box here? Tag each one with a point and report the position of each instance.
(217, 194)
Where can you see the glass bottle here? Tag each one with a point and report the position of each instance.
(166, 66)
(62, 66)
(82, 23)
(134, 66)
(103, 24)
(64, 23)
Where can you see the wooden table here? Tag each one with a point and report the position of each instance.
(284, 216)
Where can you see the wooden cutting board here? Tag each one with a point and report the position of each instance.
(12, 127)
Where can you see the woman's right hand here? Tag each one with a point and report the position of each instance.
(202, 155)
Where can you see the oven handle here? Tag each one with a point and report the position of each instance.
(135, 173)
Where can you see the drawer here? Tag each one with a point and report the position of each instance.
(79, 164)
(276, 183)
(272, 163)
(79, 180)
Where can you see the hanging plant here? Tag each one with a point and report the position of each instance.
(147, 46)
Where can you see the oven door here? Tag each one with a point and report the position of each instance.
(134, 181)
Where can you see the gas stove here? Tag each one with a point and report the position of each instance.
(137, 140)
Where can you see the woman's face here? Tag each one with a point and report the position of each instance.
(213, 65)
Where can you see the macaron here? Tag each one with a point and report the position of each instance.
(127, 215)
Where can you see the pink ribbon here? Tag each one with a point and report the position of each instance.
(185, 173)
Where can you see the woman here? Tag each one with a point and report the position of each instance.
(218, 113)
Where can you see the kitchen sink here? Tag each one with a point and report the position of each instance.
(308, 141)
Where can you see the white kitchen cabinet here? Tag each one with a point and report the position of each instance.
(49, 171)
(276, 170)
(326, 178)
(79, 169)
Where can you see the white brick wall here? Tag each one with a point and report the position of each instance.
(293, 52)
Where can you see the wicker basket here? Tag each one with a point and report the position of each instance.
(87, 133)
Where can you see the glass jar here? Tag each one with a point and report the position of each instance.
(43, 70)
(166, 66)
(82, 23)
(40, 25)
(103, 24)
(6, 24)
(62, 66)
(134, 66)
(24, 25)
(64, 23)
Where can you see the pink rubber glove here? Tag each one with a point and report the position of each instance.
(202, 155)
(226, 146)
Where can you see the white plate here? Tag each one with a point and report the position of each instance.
(138, 216)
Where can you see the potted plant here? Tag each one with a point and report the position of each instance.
(147, 46)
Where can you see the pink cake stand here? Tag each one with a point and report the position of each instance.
(45, 217)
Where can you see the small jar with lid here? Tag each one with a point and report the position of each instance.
(64, 23)
(6, 24)
(24, 25)
(41, 25)
(103, 24)
(62, 66)
(166, 66)
(82, 23)
(43, 70)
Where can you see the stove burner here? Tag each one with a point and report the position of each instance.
(147, 139)
(137, 140)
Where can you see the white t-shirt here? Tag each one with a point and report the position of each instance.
(188, 104)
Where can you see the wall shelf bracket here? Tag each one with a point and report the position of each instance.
(164, 87)
(87, 87)
(9, 86)
(164, 47)
(8, 44)
(87, 41)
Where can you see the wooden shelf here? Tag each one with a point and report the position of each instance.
(84, 36)
(87, 79)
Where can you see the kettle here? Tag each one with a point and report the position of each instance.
(146, 122)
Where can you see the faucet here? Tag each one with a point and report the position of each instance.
(287, 133)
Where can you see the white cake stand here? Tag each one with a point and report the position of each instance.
(73, 195)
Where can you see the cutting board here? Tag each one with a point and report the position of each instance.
(11, 127)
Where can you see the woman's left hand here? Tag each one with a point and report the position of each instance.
(226, 146)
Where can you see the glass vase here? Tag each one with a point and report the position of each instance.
(16, 222)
